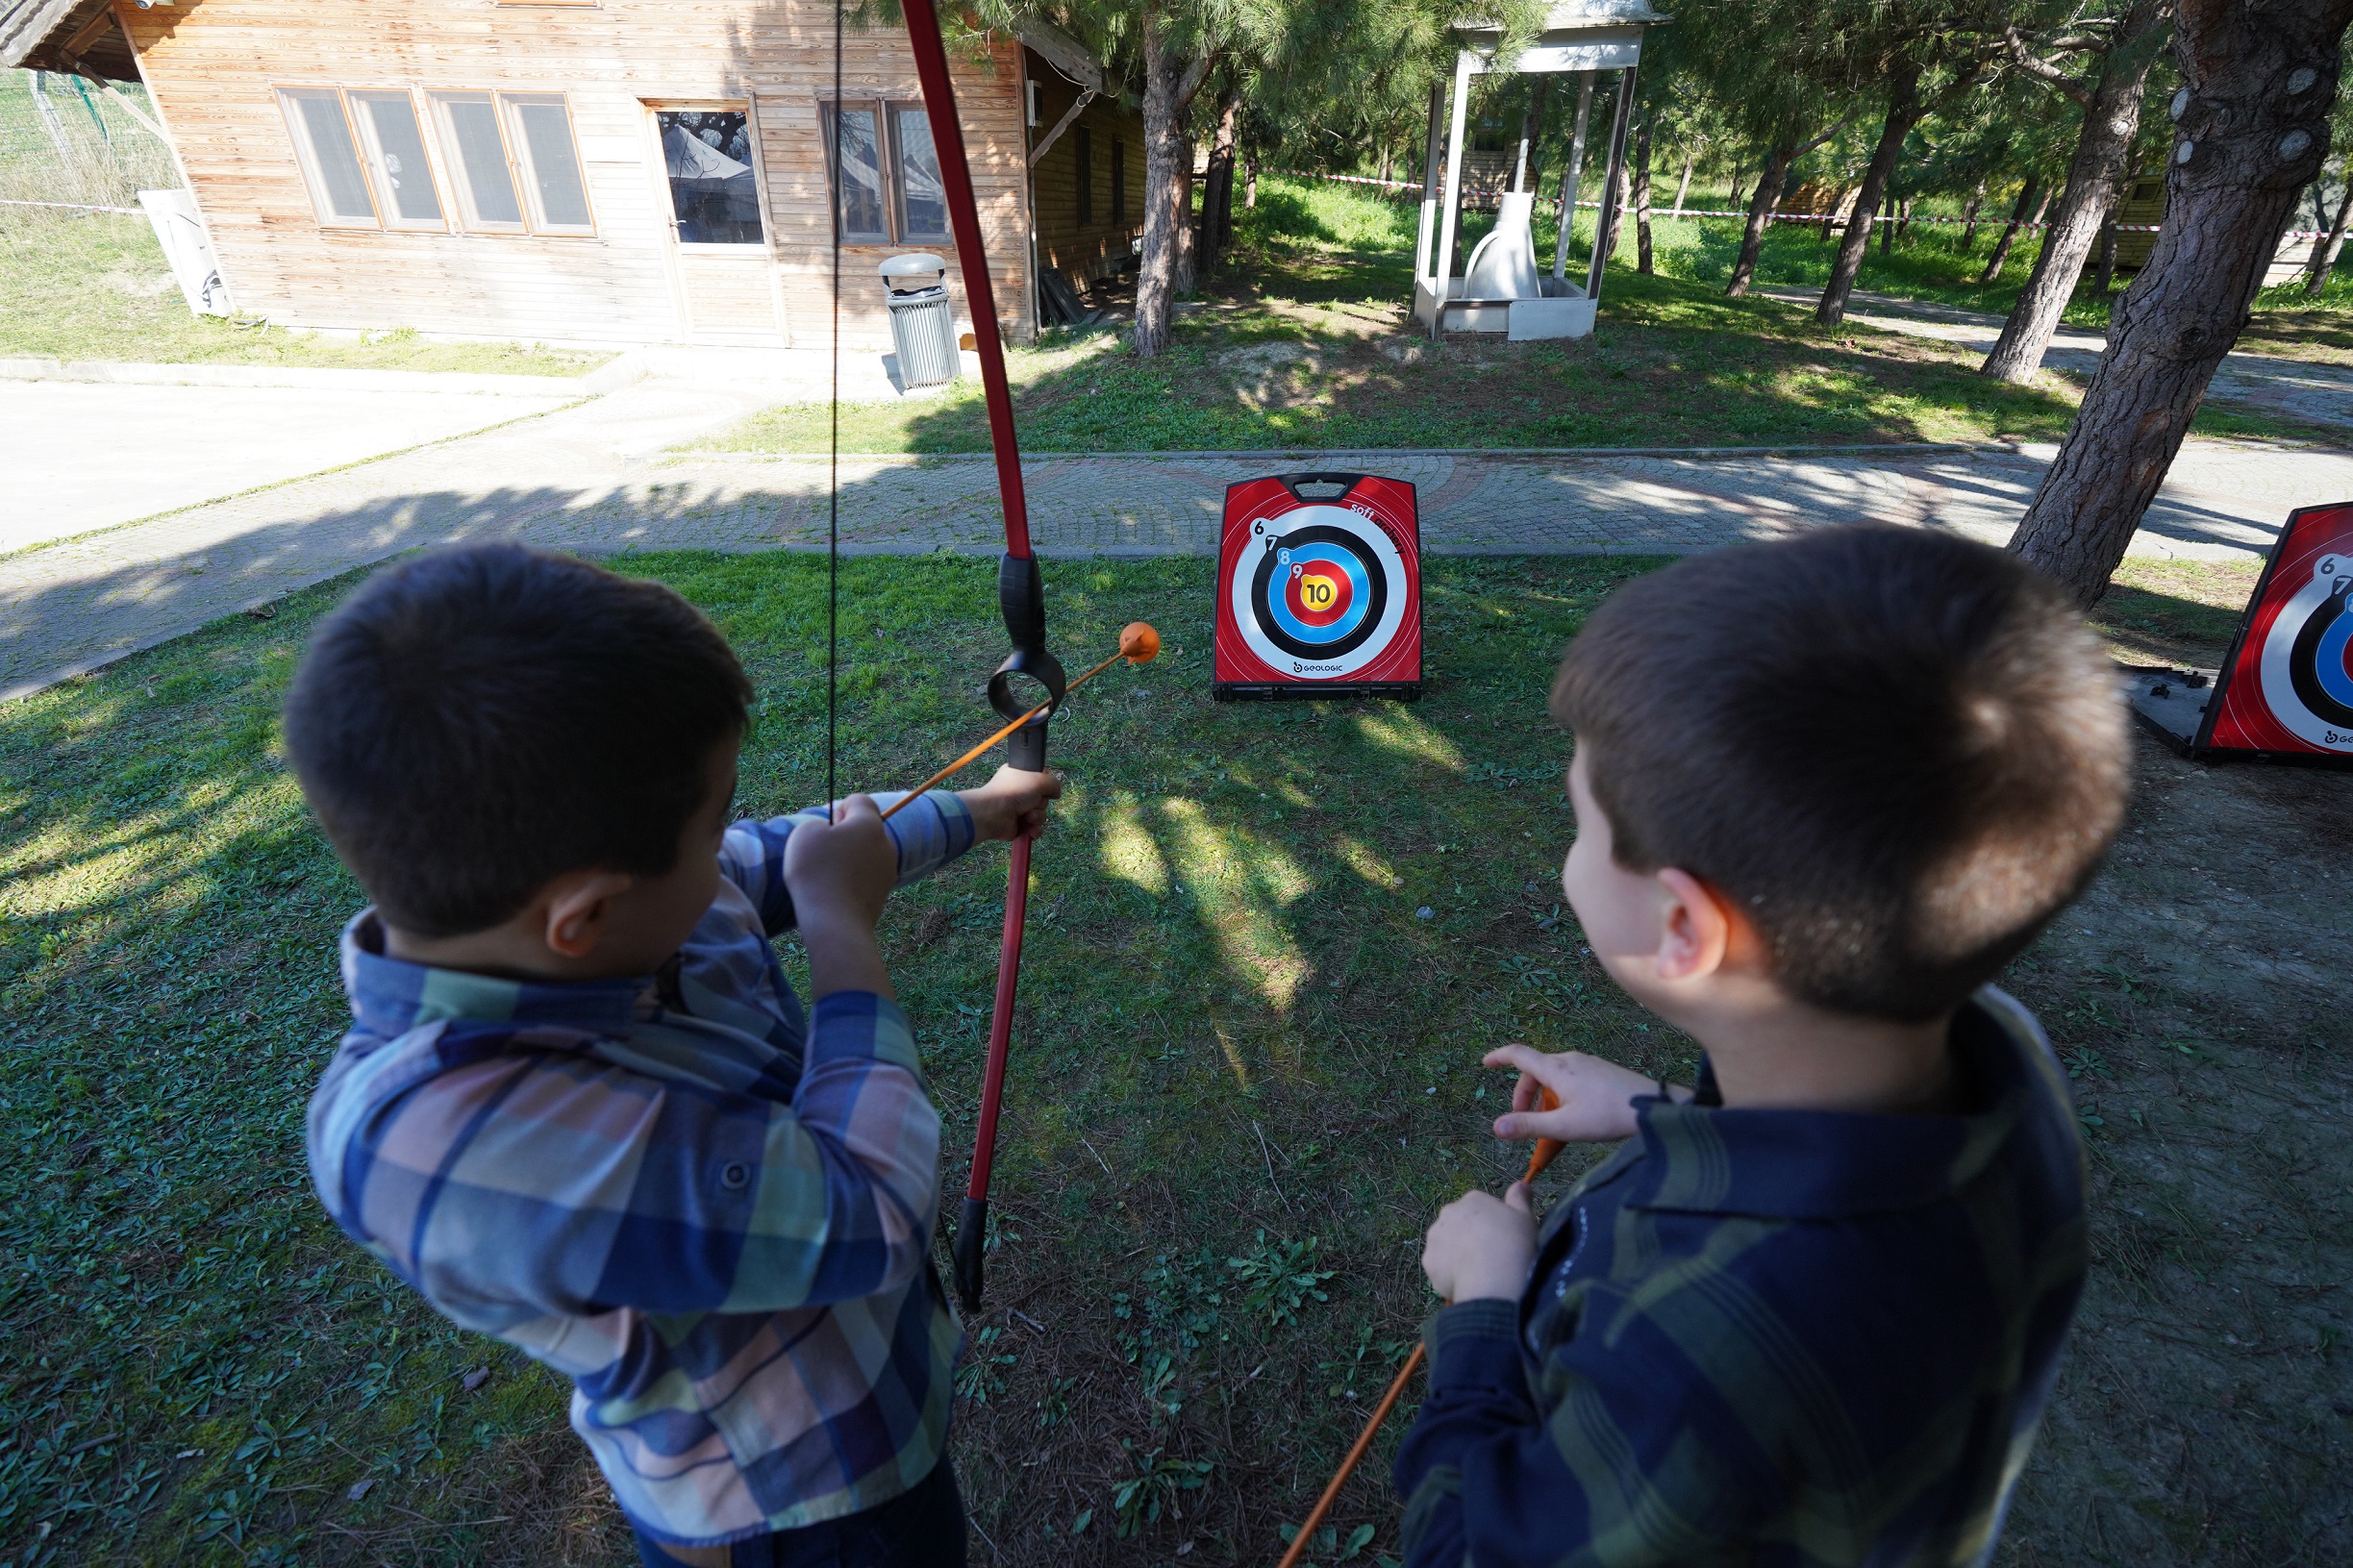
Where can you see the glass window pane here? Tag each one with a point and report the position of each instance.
(859, 175)
(481, 160)
(555, 168)
(342, 187)
(713, 192)
(400, 151)
(923, 201)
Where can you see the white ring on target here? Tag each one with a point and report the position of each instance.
(1379, 556)
(2279, 647)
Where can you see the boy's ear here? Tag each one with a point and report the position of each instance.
(579, 906)
(1700, 929)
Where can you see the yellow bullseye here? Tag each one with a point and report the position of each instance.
(1318, 592)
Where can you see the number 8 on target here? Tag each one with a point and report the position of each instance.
(1319, 588)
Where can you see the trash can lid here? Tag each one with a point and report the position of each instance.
(912, 263)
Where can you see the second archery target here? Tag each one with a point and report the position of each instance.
(1319, 595)
(2286, 691)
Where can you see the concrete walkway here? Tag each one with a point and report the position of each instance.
(582, 479)
(2319, 394)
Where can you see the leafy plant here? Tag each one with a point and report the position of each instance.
(1278, 1278)
(1159, 1482)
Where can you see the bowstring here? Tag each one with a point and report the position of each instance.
(833, 464)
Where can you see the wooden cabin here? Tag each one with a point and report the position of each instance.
(597, 171)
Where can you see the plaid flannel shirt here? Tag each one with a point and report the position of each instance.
(1776, 1338)
(712, 1213)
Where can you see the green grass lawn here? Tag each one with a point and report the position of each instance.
(1268, 943)
(95, 286)
(1306, 342)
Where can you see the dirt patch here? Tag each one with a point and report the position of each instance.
(2206, 1412)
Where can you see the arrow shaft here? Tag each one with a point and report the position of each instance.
(972, 756)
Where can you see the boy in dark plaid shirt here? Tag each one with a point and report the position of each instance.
(1809, 1311)
(581, 1108)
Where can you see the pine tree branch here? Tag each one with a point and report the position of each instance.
(2044, 71)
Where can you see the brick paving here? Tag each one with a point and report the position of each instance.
(562, 480)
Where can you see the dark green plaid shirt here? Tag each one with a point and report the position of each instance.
(1770, 1337)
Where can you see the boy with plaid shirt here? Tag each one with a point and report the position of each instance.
(1809, 1311)
(581, 1108)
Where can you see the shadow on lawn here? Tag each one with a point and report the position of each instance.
(1244, 1077)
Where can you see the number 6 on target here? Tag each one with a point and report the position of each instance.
(1319, 588)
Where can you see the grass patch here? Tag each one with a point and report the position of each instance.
(2181, 612)
(95, 286)
(1306, 342)
(1268, 943)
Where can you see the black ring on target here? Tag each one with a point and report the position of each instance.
(2304, 660)
(1376, 598)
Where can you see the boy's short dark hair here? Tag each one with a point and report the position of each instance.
(1900, 752)
(475, 721)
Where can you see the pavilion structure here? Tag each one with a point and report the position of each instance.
(1502, 288)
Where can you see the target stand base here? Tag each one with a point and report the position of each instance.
(1319, 589)
(1269, 691)
(2171, 704)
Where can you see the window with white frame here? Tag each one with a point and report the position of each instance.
(885, 172)
(364, 157)
(508, 163)
(513, 162)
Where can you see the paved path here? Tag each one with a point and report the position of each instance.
(578, 478)
(2320, 394)
(79, 456)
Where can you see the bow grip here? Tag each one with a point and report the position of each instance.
(1021, 598)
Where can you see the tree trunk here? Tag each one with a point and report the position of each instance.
(2252, 127)
(1217, 201)
(2317, 270)
(1684, 188)
(1188, 227)
(2102, 148)
(1170, 86)
(1524, 177)
(1968, 219)
(2017, 220)
(1641, 198)
(1249, 186)
(1904, 111)
(2105, 278)
(1886, 231)
(1903, 222)
(1777, 161)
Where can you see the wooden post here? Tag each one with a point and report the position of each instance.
(1569, 175)
(1454, 192)
(1423, 262)
(1605, 221)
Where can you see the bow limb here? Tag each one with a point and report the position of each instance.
(1020, 599)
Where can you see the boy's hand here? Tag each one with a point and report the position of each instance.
(1481, 1246)
(1011, 803)
(1596, 1096)
(840, 873)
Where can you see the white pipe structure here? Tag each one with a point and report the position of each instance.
(1443, 274)
(1571, 174)
(1586, 36)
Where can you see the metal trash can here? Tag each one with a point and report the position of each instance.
(922, 321)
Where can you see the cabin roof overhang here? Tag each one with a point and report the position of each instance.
(77, 37)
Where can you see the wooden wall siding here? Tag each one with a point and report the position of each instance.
(213, 66)
(1085, 251)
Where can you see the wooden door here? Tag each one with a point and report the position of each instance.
(717, 215)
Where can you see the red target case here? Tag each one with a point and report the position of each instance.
(2285, 691)
(1319, 595)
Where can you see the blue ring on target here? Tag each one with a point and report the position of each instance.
(1368, 583)
(1360, 593)
(2328, 661)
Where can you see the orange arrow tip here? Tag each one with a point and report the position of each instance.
(1138, 643)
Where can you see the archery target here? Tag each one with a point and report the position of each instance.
(1325, 596)
(2307, 662)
